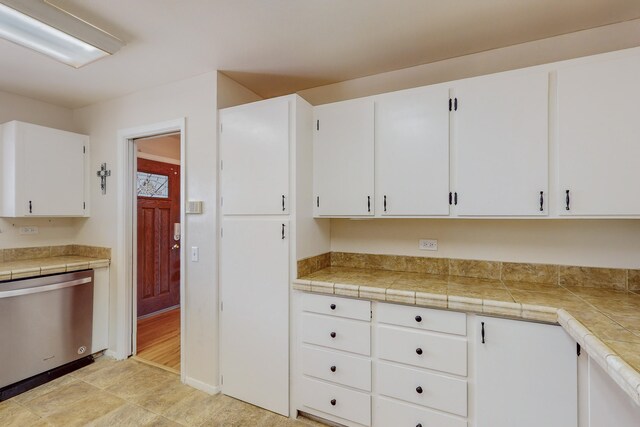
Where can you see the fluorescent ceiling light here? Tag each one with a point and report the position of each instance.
(53, 32)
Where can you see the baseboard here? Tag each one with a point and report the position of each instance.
(210, 389)
(113, 355)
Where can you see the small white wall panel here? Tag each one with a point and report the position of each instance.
(599, 138)
(254, 321)
(254, 151)
(343, 158)
(412, 152)
(501, 145)
(526, 375)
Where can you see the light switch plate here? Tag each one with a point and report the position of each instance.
(195, 254)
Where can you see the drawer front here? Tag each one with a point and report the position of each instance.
(446, 353)
(336, 306)
(423, 388)
(335, 400)
(449, 322)
(393, 413)
(337, 367)
(340, 334)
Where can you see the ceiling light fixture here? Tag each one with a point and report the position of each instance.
(46, 29)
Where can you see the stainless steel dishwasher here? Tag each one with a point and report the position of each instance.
(45, 322)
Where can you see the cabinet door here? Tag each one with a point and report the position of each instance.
(608, 404)
(254, 155)
(51, 171)
(599, 138)
(501, 145)
(343, 158)
(254, 317)
(412, 157)
(526, 375)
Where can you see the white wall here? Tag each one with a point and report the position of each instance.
(601, 243)
(54, 231)
(582, 43)
(195, 100)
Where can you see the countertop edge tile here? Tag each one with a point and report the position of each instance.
(346, 290)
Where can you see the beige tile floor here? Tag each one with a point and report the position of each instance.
(130, 393)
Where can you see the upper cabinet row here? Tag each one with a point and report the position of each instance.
(511, 144)
(42, 171)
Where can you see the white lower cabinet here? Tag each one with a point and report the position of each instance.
(390, 412)
(340, 368)
(339, 401)
(525, 374)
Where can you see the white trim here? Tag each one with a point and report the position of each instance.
(210, 389)
(126, 248)
(157, 158)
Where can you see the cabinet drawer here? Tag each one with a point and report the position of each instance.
(449, 322)
(337, 367)
(341, 402)
(336, 306)
(393, 413)
(444, 353)
(333, 332)
(423, 388)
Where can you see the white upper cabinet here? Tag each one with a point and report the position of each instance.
(343, 158)
(43, 171)
(599, 138)
(412, 157)
(500, 145)
(254, 155)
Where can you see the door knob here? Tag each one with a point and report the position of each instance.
(176, 246)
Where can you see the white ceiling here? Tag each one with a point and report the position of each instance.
(276, 47)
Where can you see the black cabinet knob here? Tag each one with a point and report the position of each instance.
(333, 368)
(418, 425)
(333, 334)
(419, 390)
(333, 402)
(418, 318)
(332, 306)
(419, 350)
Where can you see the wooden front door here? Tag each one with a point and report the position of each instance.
(158, 189)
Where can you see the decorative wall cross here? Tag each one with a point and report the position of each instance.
(103, 173)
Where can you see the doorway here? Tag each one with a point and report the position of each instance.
(158, 234)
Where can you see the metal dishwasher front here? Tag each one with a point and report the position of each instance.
(45, 322)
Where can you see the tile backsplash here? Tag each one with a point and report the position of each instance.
(21, 254)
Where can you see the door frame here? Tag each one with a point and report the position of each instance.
(126, 271)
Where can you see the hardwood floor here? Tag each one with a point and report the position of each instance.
(158, 340)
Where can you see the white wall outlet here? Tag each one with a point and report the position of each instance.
(195, 254)
(428, 245)
(30, 229)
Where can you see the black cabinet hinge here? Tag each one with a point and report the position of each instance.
(317, 124)
(318, 201)
(578, 349)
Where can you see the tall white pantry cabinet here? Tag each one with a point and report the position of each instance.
(266, 225)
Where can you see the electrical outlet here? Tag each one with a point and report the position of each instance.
(428, 245)
(31, 229)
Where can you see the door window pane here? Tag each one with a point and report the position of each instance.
(153, 185)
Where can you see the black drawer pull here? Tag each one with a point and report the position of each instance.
(541, 201)
(333, 402)
(368, 203)
(332, 306)
(419, 390)
(568, 200)
(419, 351)
(332, 334)
(333, 369)
(385, 203)
(418, 318)
(482, 332)
(283, 203)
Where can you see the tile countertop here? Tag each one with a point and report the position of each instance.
(605, 322)
(11, 270)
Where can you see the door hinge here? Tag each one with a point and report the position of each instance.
(221, 201)
(84, 205)
(578, 349)
(221, 233)
(221, 164)
(317, 201)
(221, 379)
(317, 124)
(220, 127)
(221, 306)
(84, 149)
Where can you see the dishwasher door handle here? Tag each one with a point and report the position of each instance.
(45, 288)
